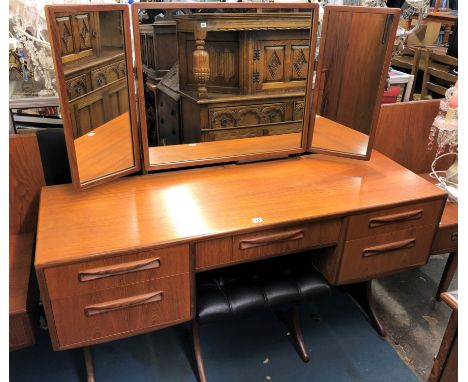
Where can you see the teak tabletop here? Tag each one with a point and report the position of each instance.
(106, 149)
(161, 209)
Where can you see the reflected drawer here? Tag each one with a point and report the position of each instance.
(100, 316)
(370, 257)
(221, 135)
(241, 248)
(86, 277)
(248, 115)
(393, 219)
(283, 128)
(78, 86)
(106, 74)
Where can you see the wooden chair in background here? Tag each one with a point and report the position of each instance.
(408, 60)
(402, 134)
(438, 74)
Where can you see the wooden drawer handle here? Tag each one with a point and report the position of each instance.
(390, 247)
(390, 219)
(123, 303)
(454, 236)
(272, 239)
(114, 270)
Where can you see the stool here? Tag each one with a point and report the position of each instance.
(285, 281)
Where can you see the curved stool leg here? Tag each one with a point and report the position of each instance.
(197, 350)
(292, 321)
(89, 364)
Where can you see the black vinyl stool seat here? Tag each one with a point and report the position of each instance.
(282, 282)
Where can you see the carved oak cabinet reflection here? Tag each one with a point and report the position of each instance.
(94, 67)
(241, 75)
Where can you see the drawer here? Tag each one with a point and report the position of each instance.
(446, 240)
(237, 249)
(115, 312)
(106, 74)
(248, 115)
(223, 118)
(273, 113)
(227, 134)
(394, 219)
(298, 111)
(370, 257)
(283, 128)
(78, 86)
(90, 276)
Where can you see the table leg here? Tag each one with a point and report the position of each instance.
(449, 270)
(362, 295)
(89, 364)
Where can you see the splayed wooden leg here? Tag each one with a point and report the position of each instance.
(89, 364)
(362, 295)
(449, 270)
(197, 350)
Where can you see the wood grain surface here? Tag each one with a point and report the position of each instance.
(350, 82)
(331, 135)
(160, 209)
(25, 181)
(106, 150)
(403, 134)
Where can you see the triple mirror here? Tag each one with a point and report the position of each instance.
(216, 82)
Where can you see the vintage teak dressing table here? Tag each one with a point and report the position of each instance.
(121, 258)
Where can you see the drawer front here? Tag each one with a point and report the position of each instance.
(237, 249)
(394, 219)
(277, 241)
(298, 111)
(212, 253)
(106, 74)
(371, 257)
(223, 118)
(78, 86)
(221, 135)
(274, 113)
(115, 312)
(446, 240)
(87, 277)
(249, 115)
(284, 128)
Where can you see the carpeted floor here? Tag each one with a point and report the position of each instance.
(343, 347)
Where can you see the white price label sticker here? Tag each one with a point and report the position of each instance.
(257, 220)
(203, 25)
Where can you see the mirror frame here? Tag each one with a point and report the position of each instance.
(50, 11)
(383, 78)
(221, 159)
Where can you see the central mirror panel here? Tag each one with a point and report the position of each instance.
(223, 82)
